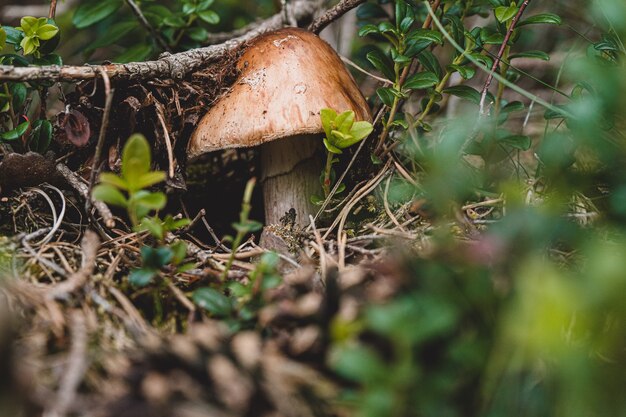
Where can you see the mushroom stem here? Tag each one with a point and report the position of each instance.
(290, 170)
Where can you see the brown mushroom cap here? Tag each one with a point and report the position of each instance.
(286, 78)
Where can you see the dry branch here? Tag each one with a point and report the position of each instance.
(173, 66)
(333, 14)
(89, 245)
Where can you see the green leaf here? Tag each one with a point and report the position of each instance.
(47, 32)
(156, 258)
(209, 16)
(371, 11)
(89, 13)
(141, 277)
(464, 71)
(368, 29)
(212, 301)
(504, 13)
(430, 62)
(114, 33)
(148, 200)
(386, 27)
(13, 36)
(135, 160)
(382, 63)
(175, 21)
(49, 59)
(316, 200)
(29, 24)
(375, 159)
(179, 249)
(40, 136)
(359, 364)
(386, 95)
(464, 92)
(138, 52)
(360, 130)
(531, 54)
(115, 180)
(198, 34)
(3, 38)
(149, 179)
(248, 227)
(512, 107)
(204, 4)
(344, 121)
(19, 91)
(153, 225)
(426, 35)
(543, 18)
(15, 133)
(328, 117)
(29, 45)
(109, 195)
(331, 148)
(406, 24)
(421, 80)
(521, 142)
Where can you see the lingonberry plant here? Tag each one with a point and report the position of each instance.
(23, 122)
(129, 190)
(153, 27)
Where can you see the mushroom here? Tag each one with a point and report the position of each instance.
(285, 78)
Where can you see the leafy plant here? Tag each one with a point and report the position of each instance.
(129, 191)
(36, 39)
(238, 302)
(36, 30)
(181, 25)
(342, 131)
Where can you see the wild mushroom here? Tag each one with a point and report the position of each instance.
(286, 78)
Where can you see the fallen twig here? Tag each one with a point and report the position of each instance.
(75, 182)
(101, 137)
(333, 14)
(89, 245)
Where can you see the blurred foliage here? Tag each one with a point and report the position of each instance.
(528, 317)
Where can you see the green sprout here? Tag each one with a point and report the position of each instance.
(342, 131)
(35, 31)
(128, 191)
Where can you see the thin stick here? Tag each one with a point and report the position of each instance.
(144, 22)
(89, 246)
(77, 184)
(101, 137)
(333, 14)
(53, 9)
(371, 184)
(355, 66)
(168, 142)
(496, 63)
(387, 208)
